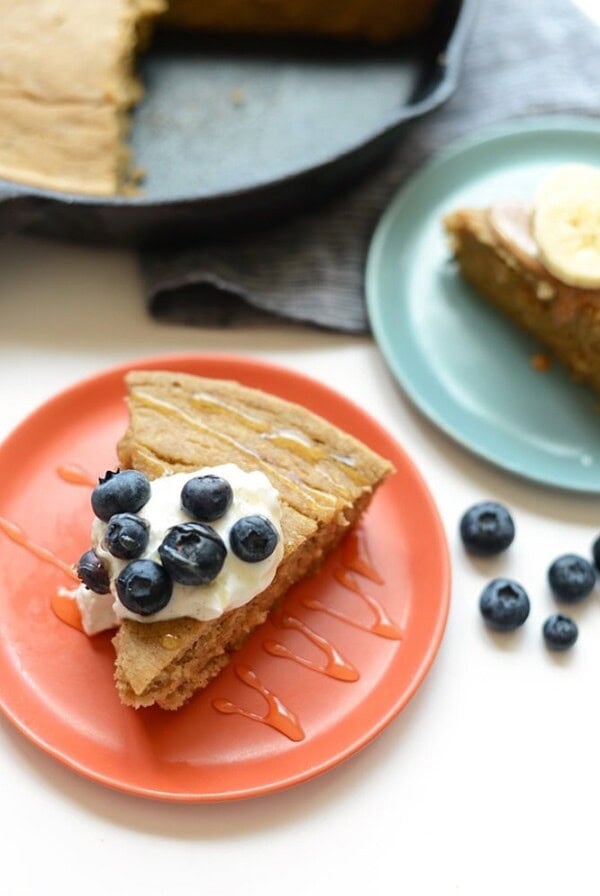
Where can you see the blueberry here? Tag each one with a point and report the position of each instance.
(571, 578)
(596, 553)
(93, 573)
(192, 553)
(504, 604)
(144, 587)
(560, 632)
(487, 528)
(253, 538)
(127, 536)
(124, 491)
(207, 497)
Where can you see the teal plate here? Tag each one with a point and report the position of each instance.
(461, 362)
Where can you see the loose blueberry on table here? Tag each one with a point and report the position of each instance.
(571, 578)
(253, 538)
(504, 604)
(127, 536)
(207, 498)
(123, 491)
(596, 553)
(560, 632)
(192, 553)
(144, 587)
(487, 528)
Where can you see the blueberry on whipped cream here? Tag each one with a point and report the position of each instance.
(93, 573)
(155, 556)
(123, 491)
(207, 498)
(253, 538)
(144, 587)
(127, 536)
(192, 553)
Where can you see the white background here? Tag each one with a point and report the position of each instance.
(487, 783)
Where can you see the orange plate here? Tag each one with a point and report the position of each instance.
(56, 684)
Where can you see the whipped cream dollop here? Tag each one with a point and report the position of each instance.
(236, 584)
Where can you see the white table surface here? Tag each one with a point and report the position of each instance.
(487, 783)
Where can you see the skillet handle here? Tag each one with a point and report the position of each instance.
(17, 209)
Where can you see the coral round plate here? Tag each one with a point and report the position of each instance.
(337, 682)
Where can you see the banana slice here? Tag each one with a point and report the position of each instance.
(566, 225)
(567, 178)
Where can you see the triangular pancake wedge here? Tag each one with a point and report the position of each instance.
(562, 318)
(325, 480)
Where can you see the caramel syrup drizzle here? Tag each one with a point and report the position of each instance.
(316, 497)
(277, 716)
(76, 475)
(382, 624)
(335, 667)
(170, 642)
(356, 556)
(204, 401)
(295, 441)
(292, 440)
(16, 534)
(65, 608)
(356, 559)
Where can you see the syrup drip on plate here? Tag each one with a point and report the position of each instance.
(16, 534)
(382, 624)
(278, 716)
(65, 608)
(335, 667)
(356, 556)
(75, 475)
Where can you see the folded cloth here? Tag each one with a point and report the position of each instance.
(522, 58)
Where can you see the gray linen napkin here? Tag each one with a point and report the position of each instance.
(524, 57)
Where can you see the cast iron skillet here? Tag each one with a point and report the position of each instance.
(233, 133)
